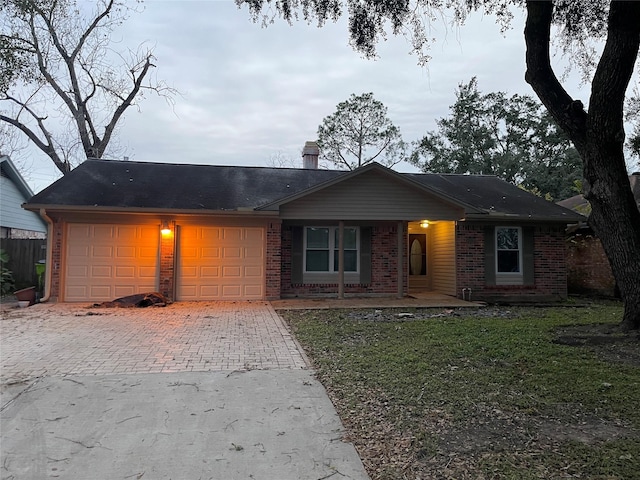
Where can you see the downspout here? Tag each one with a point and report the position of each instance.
(49, 270)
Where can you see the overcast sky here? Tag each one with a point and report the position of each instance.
(249, 93)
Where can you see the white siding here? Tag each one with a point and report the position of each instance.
(12, 215)
(443, 257)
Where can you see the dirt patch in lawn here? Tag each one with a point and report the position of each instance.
(607, 341)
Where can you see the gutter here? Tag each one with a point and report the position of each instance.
(48, 259)
(244, 211)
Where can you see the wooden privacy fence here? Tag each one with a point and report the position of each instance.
(24, 253)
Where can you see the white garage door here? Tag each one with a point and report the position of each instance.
(221, 263)
(105, 262)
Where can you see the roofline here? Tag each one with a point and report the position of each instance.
(15, 175)
(35, 207)
(358, 171)
(576, 217)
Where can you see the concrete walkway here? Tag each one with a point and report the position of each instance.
(197, 390)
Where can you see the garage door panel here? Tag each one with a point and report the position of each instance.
(253, 271)
(232, 291)
(78, 291)
(100, 271)
(103, 232)
(232, 234)
(103, 251)
(148, 273)
(80, 230)
(251, 253)
(125, 290)
(208, 291)
(127, 252)
(207, 233)
(80, 271)
(252, 291)
(230, 263)
(100, 291)
(231, 252)
(79, 251)
(104, 262)
(254, 234)
(232, 271)
(210, 252)
(210, 272)
(125, 272)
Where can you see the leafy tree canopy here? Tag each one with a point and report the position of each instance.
(359, 132)
(512, 137)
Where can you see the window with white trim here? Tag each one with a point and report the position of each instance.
(321, 252)
(509, 250)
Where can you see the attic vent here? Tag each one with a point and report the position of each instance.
(310, 154)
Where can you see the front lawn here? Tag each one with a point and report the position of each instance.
(501, 393)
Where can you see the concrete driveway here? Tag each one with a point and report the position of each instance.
(214, 390)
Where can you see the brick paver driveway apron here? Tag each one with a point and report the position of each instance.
(65, 339)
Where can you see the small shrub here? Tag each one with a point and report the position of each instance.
(6, 279)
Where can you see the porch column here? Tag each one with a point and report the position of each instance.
(400, 259)
(341, 259)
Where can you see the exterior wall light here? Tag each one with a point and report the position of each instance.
(424, 223)
(165, 229)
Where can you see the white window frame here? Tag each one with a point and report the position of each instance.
(520, 265)
(333, 247)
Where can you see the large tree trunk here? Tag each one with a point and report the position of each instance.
(598, 135)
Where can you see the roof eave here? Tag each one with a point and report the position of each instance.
(526, 218)
(141, 210)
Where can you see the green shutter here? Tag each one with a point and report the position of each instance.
(297, 252)
(489, 256)
(365, 255)
(528, 273)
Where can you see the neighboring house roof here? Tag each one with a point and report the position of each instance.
(144, 186)
(579, 204)
(14, 191)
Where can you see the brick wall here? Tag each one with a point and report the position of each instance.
(588, 267)
(167, 262)
(384, 268)
(273, 260)
(55, 263)
(550, 280)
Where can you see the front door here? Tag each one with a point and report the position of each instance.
(418, 280)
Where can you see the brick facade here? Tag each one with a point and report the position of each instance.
(55, 263)
(549, 265)
(273, 261)
(550, 272)
(167, 262)
(384, 268)
(588, 267)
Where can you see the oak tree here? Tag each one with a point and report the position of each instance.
(597, 130)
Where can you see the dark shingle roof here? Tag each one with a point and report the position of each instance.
(494, 196)
(165, 186)
(110, 183)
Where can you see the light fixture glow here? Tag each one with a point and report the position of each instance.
(424, 223)
(164, 228)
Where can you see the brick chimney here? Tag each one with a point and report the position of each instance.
(310, 154)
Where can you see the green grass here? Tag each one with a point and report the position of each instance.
(478, 397)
